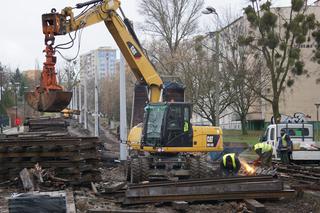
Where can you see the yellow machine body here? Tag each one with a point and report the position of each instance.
(202, 141)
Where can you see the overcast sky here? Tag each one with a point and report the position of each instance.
(21, 38)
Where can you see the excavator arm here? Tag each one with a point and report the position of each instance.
(55, 24)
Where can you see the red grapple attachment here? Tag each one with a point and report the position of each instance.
(49, 96)
(52, 101)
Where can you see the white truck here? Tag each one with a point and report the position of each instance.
(304, 146)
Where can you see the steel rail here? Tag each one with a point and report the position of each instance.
(206, 197)
(203, 181)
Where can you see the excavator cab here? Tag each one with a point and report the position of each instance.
(167, 125)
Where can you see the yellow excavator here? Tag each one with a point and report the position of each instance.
(166, 144)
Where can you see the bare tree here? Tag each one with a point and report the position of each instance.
(68, 75)
(241, 70)
(110, 97)
(170, 21)
(110, 102)
(196, 63)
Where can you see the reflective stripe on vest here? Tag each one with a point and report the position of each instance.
(232, 155)
(263, 146)
(284, 141)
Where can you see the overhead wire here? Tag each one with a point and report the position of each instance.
(78, 51)
(61, 46)
(82, 12)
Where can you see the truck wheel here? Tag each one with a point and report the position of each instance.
(135, 169)
(128, 171)
(145, 169)
(194, 168)
(204, 171)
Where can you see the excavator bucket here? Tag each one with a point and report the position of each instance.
(52, 101)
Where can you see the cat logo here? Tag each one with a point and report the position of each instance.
(209, 138)
(134, 50)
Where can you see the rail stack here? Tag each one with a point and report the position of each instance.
(73, 158)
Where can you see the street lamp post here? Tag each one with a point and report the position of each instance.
(215, 42)
(24, 106)
(1, 98)
(16, 97)
(317, 106)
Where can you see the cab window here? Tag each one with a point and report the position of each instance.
(297, 132)
(265, 136)
(272, 134)
(175, 118)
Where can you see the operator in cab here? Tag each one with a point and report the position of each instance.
(284, 147)
(264, 151)
(230, 164)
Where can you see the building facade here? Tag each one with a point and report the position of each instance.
(102, 60)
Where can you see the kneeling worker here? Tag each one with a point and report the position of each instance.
(230, 164)
(265, 154)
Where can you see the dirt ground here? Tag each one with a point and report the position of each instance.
(113, 172)
(307, 203)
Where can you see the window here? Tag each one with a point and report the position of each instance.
(154, 122)
(186, 114)
(272, 134)
(265, 136)
(297, 132)
(175, 117)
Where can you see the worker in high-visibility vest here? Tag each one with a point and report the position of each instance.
(284, 147)
(230, 164)
(264, 151)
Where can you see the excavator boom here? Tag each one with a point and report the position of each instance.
(49, 96)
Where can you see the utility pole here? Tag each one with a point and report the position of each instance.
(217, 79)
(16, 96)
(80, 103)
(75, 99)
(85, 94)
(317, 106)
(215, 44)
(24, 105)
(1, 116)
(96, 104)
(72, 99)
(123, 111)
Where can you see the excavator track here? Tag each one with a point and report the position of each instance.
(73, 158)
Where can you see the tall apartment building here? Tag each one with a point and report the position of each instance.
(102, 60)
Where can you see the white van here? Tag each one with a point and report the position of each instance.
(304, 146)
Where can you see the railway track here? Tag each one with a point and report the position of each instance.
(302, 174)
